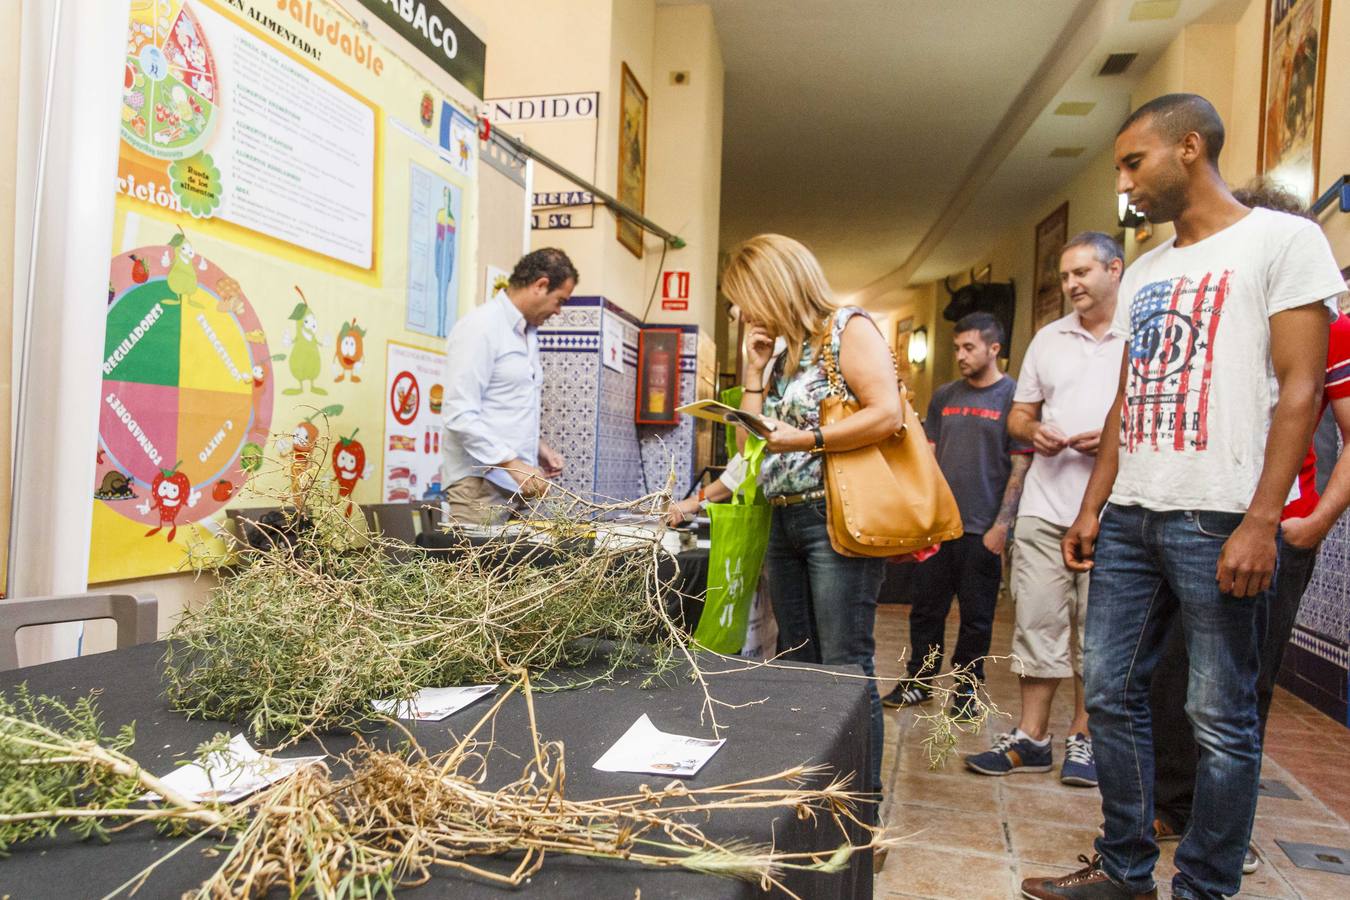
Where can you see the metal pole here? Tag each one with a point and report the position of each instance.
(518, 146)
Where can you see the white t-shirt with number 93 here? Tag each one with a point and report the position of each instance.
(1200, 388)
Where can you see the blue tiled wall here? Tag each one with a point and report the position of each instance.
(588, 409)
(1315, 662)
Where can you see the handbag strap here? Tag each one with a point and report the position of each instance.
(830, 364)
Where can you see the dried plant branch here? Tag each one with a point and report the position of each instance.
(400, 816)
(57, 768)
(303, 635)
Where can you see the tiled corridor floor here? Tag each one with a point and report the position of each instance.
(976, 837)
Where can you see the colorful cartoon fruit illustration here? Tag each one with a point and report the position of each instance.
(350, 353)
(300, 443)
(183, 263)
(222, 491)
(251, 457)
(170, 493)
(349, 465)
(140, 272)
(304, 344)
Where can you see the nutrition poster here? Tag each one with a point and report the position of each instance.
(412, 428)
(275, 162)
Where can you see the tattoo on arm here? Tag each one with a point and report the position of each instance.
(1012, 494)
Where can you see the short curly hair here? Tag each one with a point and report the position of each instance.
(550, 263)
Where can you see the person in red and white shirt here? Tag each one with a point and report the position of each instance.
(1305, 521)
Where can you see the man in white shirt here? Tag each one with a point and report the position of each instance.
(1226, 329)
(492, 455)
(1064, 390)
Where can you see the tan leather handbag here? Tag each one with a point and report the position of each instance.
(889, 498)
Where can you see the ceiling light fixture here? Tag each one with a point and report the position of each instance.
(1074, 108)
(1154, 10)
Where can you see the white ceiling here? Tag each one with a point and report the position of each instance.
(866, 127)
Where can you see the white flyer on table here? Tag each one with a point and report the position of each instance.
(434, 704)
(646, 750)
(230, 775)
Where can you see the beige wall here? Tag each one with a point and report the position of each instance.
(1223, 63)
(553, 48)
(538, 48)
(685, 174)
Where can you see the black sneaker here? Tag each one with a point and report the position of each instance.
(907, 693)
(965, 708)
(1089, 883)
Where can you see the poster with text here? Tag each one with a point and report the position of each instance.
(260, 268)
(412, 425)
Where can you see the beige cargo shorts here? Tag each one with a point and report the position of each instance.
(1050, 603)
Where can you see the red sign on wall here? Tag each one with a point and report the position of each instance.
(675, 290)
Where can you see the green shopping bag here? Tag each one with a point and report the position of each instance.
(732, 397)
(740, 535)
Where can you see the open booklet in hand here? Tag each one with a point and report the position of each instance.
(728, 415)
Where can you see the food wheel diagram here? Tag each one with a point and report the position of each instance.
(169, 86)
(187, 390)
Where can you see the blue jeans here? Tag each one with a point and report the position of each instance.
(825, 603)
(1173, 742)
(1151, 567)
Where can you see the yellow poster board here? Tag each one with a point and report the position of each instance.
(291, 198)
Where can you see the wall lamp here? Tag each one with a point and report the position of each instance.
(1126, 215)
(918, 347)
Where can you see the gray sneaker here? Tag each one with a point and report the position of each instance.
(1251, 862)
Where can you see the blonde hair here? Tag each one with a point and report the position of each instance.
(777, 282)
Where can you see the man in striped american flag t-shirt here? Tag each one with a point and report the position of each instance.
(1226, 331)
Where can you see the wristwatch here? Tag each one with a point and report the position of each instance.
(820, 440)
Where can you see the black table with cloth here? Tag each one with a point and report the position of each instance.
(812, 717)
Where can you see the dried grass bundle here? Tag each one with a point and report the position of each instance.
(400, 816)
(303, 635)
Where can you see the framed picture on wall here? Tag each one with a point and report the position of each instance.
(632, 184)
(1293, 75)
(1047, 301)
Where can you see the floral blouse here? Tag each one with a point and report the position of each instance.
(796, 401)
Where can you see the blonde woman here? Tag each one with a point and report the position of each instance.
(825, 602)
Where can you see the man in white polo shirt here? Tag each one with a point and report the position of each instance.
(1064, 390)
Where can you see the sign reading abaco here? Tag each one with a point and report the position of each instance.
(439, 34)
(675, 290)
